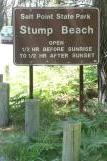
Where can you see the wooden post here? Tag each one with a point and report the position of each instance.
(4, 104)
(32, 118)
(71, 141)
(31, 81)
(81, 89)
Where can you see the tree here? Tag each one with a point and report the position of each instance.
(102, 67)
(1, 13)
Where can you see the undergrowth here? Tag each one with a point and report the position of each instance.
(58, 102)
(15, 146)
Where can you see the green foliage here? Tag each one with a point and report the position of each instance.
(90, 76)
(18, 148)
(48, 145)
(57, 89)
(94, 134)
(17, 109)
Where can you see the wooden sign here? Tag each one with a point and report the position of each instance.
(56, 36)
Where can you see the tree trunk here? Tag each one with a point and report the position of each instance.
(1, 14)
(102, 67)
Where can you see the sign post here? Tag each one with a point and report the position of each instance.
(81, 88)
(54, 36)
(31, 81)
